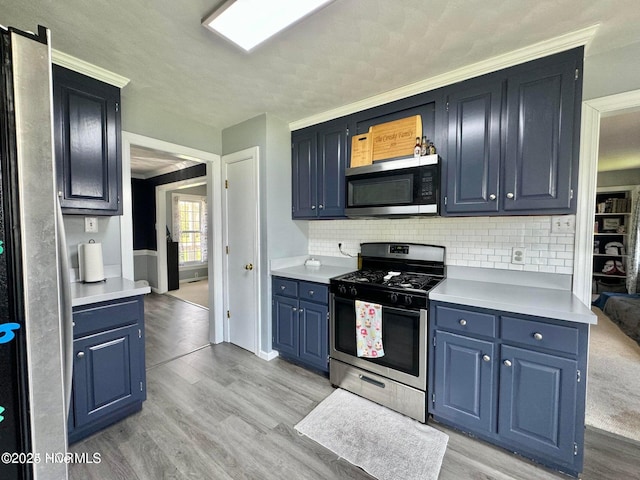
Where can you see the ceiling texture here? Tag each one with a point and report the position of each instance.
(348, 51)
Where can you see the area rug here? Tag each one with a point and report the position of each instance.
(385, 444)
(613, 388)
(196, 292)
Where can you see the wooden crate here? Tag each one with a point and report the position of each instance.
(361, 150)
(395, 139)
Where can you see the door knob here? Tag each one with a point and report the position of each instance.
(537, 336)
(248, 266)
(462, 322)
(507, 363)
(80, 354)
(486, 358)
(510, 195)
(492, 196)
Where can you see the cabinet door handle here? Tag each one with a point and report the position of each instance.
(80, 354)
(510, 195)
(537, 336)
(507, 363)
(282, 287)
(311, 293)
(313, 207)
(486, 358)
(462, 322)
(294, 309)
(300, 310)
(492, 197)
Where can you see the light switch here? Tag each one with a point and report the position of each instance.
(563, 224)
(90, 224)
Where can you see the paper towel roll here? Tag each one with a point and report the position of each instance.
(90, 264)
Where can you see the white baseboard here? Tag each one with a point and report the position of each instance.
(268, 356)
(193, 279)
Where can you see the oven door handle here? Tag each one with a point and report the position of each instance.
(370, 380)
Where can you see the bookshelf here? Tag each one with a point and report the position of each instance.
(610, 231)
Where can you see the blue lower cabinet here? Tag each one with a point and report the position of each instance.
(538, 396)
(286, 331)
(464, 380)
(108, 367)
(301, 322)
(516, 381)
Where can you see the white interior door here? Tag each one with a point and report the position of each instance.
(242, 241)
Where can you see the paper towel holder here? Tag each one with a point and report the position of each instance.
(92, 270)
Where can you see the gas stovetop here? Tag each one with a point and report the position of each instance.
(391, 279)
(399, 274)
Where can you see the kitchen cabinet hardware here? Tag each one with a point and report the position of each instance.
(507, 363)
(537, 336)
(462, 322)
(486, 358)
(492, 197)
(510, 195)
(80, 354)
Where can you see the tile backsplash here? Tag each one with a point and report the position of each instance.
(470, 241)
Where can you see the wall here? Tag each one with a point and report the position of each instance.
(616, 178)
(281, 236)
(145, 118)
(143, 194)
(611, 72)
(472, 241)
(108, 235)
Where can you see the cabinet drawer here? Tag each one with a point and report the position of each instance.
(315, 292)
(540, 334)
(466, 321)
(287, 288)
(99, 317)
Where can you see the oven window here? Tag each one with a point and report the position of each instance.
(388, 190)
(400, 336)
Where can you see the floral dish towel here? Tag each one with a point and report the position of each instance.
(369, 329)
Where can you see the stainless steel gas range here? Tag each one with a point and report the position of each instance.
(378, 327)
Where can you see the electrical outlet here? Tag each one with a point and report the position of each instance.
(90, 224)
(518, 255)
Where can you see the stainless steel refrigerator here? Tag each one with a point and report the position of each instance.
(35, 308)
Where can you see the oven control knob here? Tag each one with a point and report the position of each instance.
(342, 289)
(353, 291)
(394, 298)
(408, 300)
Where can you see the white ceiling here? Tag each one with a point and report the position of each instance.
(346, 52)
(147, 162)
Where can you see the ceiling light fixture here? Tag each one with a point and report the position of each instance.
(247, 23)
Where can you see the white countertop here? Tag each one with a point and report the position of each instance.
(110, 289)
(294, 267)
(526, 300)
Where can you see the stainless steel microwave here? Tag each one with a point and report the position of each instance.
(403, 187)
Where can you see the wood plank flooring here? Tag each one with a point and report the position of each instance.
(223, 413)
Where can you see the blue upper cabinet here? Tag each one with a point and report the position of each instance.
(539, 169)
(473, 147)
(319, 156)
(513, 139)
(87, 143)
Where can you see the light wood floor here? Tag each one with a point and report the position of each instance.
(222, 413)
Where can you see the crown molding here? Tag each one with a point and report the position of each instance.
(86, 68)
(532, 52)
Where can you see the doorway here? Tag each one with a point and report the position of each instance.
(214, 242)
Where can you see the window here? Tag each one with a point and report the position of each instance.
(190, 228)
